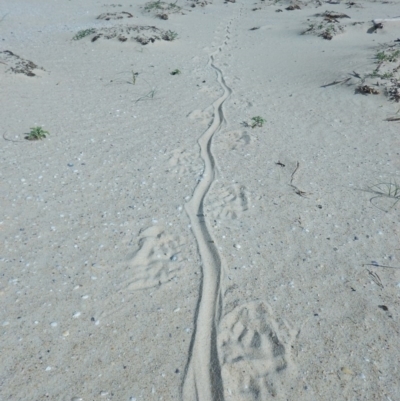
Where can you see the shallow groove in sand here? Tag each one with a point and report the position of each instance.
(202, 379)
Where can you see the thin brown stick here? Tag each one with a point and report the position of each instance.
(294, 172)
(377, 265)
(336, 82)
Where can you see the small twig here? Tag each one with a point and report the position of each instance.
(336, 83)
(378, 265)
(375, 278)
(297, 190)
(357, 75)
(392, 119)
(297, 167)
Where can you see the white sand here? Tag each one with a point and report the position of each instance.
(154, 247)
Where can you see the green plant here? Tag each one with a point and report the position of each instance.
(175, 72)
(382, 56)
(161, 5)
(36, 133)
(153, 5)
(170, 35)
(173, 6)
(386, 75)
(257, 122)
(83, 33)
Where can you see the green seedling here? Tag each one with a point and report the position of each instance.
(175, 72)
(154, 5)
(161, 5)
(382, 56)
(170, 35)
(386, 75)
(257, 122)
(83, 33)
(36, 133)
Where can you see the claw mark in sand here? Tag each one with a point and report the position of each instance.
(202, 378)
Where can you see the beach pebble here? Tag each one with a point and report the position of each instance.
(347, 371)
(237, 246)
(53, 324)
(76, 314)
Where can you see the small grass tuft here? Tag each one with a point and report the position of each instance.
(390, 190)
(391, 57)
(170, 35)
(83, 33)
(175, 72)
(36, 134)
(257, 122)
(162, 5)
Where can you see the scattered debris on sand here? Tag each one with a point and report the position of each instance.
(115, 16)
(137, 33)
(17, 64)
(327, 25)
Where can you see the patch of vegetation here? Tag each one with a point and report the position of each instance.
(123, 33)
(257, 121)
(36, 134)
(175, 72)
(390, 56)
(162, 6)
(17, 64)
(170, 35)
(83, 33)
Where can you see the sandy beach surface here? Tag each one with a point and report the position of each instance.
(213, 212)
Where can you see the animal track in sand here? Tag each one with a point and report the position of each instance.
(254, 354)
(227, 202)
(156, 261)
(203, 116)
(232, 140)
(184, 162)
